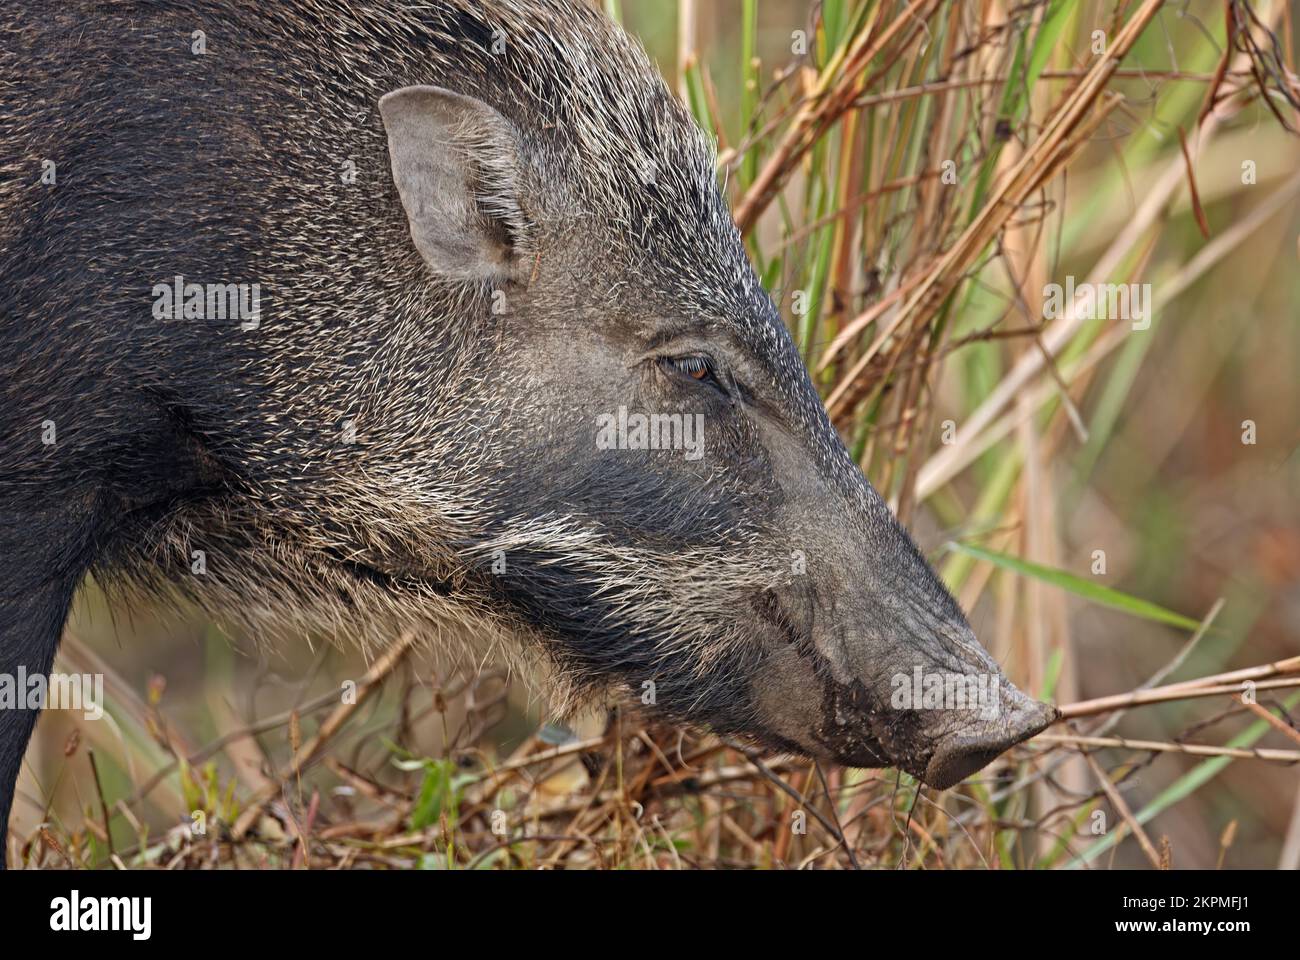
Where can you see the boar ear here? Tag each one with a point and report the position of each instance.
(455, 161)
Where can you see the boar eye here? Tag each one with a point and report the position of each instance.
(696, 367)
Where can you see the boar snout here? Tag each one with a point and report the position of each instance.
(935, 740)
(972, 748)
(951, 710)
(938, 708)
(889, 673)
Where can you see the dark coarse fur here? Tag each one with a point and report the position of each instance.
(359, 461)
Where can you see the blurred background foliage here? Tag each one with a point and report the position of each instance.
(908, 176)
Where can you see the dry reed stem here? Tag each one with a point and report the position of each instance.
(1161, 746)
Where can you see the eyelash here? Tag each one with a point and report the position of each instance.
(698, 368)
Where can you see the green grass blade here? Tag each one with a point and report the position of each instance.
(749, 92)
(1045, 40)
(1094, 592)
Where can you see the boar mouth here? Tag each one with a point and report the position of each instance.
(857, 727)
(858, 730)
